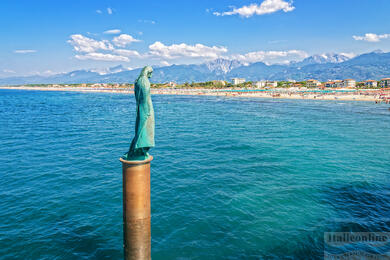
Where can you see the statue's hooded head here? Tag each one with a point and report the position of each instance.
(147, 71)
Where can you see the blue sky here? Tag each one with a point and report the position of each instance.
(46, 36)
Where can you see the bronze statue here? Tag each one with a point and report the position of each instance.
(144, 124)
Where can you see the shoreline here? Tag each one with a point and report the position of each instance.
(356, 96)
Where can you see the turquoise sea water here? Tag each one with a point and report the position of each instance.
(232, 178)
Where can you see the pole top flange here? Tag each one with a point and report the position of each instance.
(148, 160)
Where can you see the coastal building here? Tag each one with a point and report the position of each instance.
(334, 84)
(272, 84)
(172, 84)
(237, 81)
(371, 83)
(97, 85)
(385, 83)
(312, 83)
(328, 84)
(339, 83)
(349, 83)
(260, 84)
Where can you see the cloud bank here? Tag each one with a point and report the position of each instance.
(266, 7)
(115, 50)
(81, 43)
(184, 50)
(113, 31)
(101, 57)
(24, 51)
(371, 37)
(103, 50)
(271, 57)
(123, 40)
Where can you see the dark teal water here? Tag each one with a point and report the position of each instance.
(232, 178)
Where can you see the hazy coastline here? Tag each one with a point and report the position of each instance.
(362, 95)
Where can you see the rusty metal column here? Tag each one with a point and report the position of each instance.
(136, 209)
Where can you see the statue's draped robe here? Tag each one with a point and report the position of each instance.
(144, 125)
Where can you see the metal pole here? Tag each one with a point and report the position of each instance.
(136, 209)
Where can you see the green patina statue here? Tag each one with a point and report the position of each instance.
(144, 124)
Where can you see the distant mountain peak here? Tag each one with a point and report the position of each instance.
(378, 51)
(322, 67)
(327, 58)
(223, 66)
(324, 58)
(115, 69)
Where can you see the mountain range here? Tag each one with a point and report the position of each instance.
(373, 65)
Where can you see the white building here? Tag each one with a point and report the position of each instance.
(237, 81)
(172, 84)
(312, 83)
(371, 83)
(260, 84)
(349, 83)
(334, 84)
(272, 84)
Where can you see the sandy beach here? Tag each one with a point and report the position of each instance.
(361, 95)
(353, 96)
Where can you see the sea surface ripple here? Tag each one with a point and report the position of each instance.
(232, 178)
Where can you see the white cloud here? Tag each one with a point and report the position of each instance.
(277, 41)
(271, 57)
(184, 50)
(93, 34)
(371, 37)
(103, 50)
(147, 21)
(99, 11)
(127, 53)
(49, 73)
(348, 54)
(8, 71)
(24, 51)
(81, 43)
(102, 57)
(123, 40)
(45, 73)
(266, 7)
(109, 10)
(113, 31)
